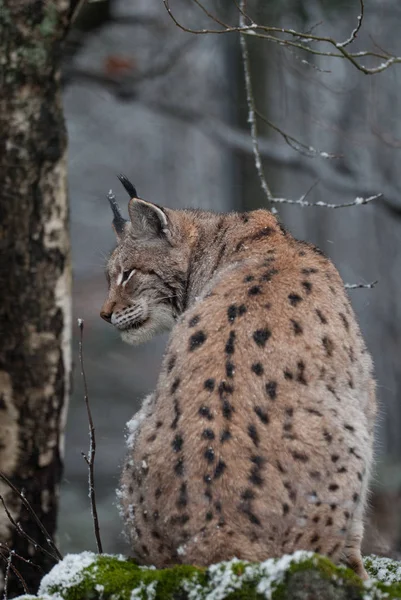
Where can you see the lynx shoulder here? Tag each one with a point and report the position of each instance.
(258, 439)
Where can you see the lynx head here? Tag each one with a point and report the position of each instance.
(146, 271)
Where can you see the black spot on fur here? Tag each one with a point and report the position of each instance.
(227, 409)
(253, 434)
(248, 278)
(209, 515)
(349, 427)
(179, 519)
(232, 313)
(170, 364)
(207, 478)
(242, 310)
(248, 494)
(307, 286)
(313, 411)
(314, 538)
(271, 389)
(257, 368)
(255, 478)
(204, 411)
(194, 321)
(286, 509)
(209, 384)
(297, 327)
(333, 487)
(261, 336)
(183, 496)
(209, 455)
(179, 467)
(328, 345)
(288, 375)
(309, 270)
(230, 343)
(342, 470)
(220, 468)
(262, 414)
(177, 414)
(225, 435)
(301, 373)
(224, 389)
(335, 458)
(294, 299)
(301, 456)
(355, 497)
(345, 321)
(158, 493)
(159, 424)
(267, 276)
(230, 369)
(329, 522)
(175, 385)
(196, 340)
(327, 436)
(254, 290)
(208, 434)
(321, 316)
(177, 443)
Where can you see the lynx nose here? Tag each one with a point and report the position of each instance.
(107, 311)
(106, 315)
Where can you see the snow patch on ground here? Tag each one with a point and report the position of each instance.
(67, 573)
(384, 569)
(144, 592)
(225, 578)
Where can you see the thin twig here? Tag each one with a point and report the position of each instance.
(23, 533)
(356, 286)
(295, 144)
(90, 458)
(355, 32)
(251, 107)
(15, 571)
(19, 557)
(265, 32)
(7, 575)
(48, 537)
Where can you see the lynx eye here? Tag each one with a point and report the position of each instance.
(126, 275)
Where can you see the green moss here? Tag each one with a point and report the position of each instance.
(298, 577)
(49, 24)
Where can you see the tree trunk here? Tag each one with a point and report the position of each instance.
(34, 274)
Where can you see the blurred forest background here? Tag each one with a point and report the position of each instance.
(168, 109)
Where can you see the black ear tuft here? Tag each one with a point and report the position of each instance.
(118, 221)
(128, 186)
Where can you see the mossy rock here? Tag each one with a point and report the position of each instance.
(300, 576)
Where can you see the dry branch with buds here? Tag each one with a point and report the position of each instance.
(90, 457)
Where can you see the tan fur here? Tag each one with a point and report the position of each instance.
(258, 439)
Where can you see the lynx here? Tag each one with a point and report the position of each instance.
(258, 439)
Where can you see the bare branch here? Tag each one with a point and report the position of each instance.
(356, 286)
(4, 546)
(90, 458)
(10, 566)
(49, 540)
(295, 144)
(355, 32)
(251, 108)
(295, 39)
(7, 575)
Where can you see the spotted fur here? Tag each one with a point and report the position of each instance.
(258, 439)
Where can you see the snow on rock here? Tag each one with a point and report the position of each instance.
(67, 573)
(106, 577)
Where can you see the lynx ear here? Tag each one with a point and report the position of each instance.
(148, 220)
